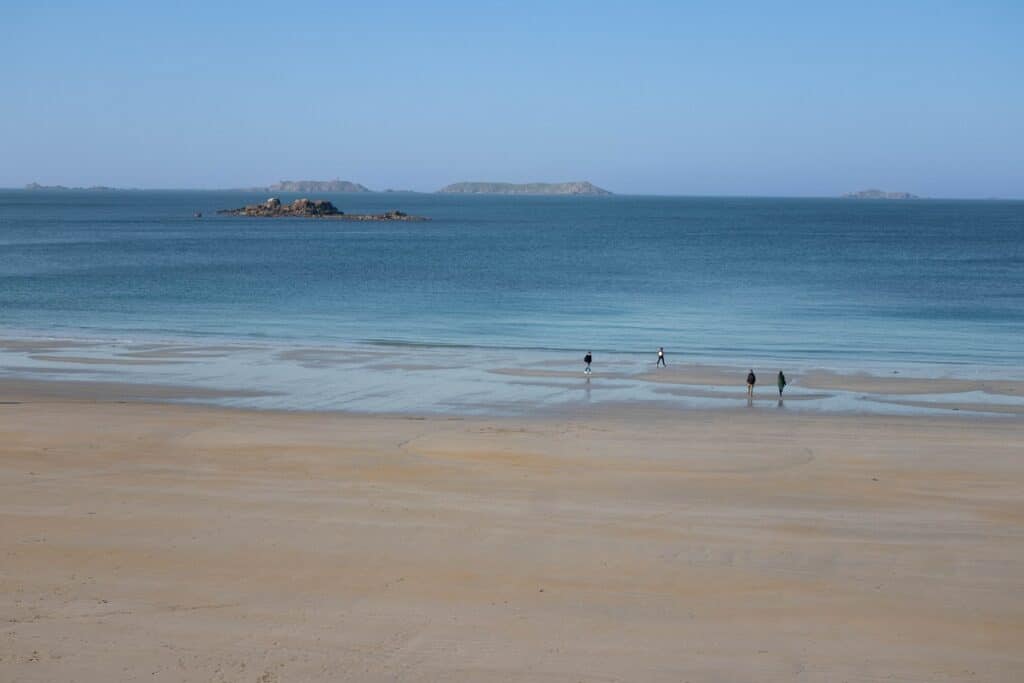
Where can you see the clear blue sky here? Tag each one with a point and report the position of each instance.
(758, 98)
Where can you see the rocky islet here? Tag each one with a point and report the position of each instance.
(313, 208)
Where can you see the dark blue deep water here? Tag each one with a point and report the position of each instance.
(932, 282)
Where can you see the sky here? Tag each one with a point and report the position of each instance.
(680, 98)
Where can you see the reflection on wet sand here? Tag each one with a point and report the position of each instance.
(371, 378)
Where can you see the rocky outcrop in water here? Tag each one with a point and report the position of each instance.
(313, 208)
(273, 208)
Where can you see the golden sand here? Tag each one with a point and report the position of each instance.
(172, 543)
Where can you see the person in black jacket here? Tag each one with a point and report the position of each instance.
(587, 360)
(751, 381)
(661, 357)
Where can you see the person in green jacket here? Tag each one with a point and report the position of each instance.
(782, 383)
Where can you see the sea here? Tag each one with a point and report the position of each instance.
(922, 287)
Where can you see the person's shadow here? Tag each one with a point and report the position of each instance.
(586, 390)
(781, 403)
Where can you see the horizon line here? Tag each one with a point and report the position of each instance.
(106, 188)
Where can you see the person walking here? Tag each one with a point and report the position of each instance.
(782, 383)
(751, 381)
(587, 359)
(661, 357)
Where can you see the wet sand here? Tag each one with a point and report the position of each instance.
(609, 543)
(461, 381)
(892, 384)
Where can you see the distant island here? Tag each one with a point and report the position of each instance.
(313, 208)
(100, 188)
(574, 188)
(879, 194)
(347, 186)
(317, 186)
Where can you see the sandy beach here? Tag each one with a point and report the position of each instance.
(407, 342)
(144, 540)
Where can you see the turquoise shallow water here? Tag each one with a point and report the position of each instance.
(935, 286)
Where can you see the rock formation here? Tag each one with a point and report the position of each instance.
(310, 208)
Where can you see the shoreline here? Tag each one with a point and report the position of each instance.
(29, 338)
(372, 379)
(172, 396)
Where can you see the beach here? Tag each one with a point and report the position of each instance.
(146, 539)
(401, 342)
(242, 449)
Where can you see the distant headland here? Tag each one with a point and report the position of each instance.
(879, 194)
(313, 208)
(573, 188)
